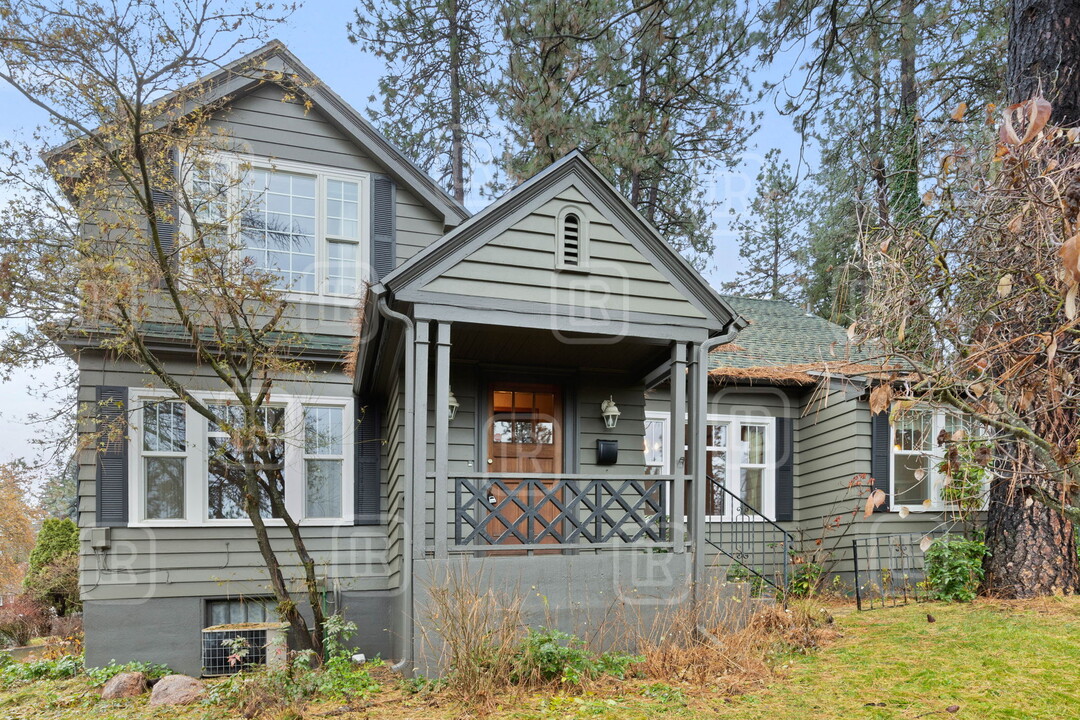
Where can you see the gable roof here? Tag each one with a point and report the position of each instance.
(258, 67)
(575, 168)
(783, 343)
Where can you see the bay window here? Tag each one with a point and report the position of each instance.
(305, 224)
(187, 470)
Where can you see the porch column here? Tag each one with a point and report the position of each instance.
(442, 436)
(678, 465)
(699, 482)
(420, 434)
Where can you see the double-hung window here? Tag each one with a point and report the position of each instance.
(164, 460)
(307, 225)
(739, 458)
(186, 469)
(917, 479)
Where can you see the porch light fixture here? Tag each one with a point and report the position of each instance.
(610, 412)
(454, 405)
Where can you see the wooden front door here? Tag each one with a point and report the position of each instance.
(524, 435)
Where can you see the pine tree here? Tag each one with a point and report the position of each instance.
(436, 99)
(772, 236)
(881, 99)
(653, 94)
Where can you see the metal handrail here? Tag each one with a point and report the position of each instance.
(750, 541)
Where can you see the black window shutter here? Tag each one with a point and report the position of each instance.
(880, 455)
(112, 460)
(167, 210)
(366, 483)
(383, 226)
(785, 470)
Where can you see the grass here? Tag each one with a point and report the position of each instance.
(986, 661)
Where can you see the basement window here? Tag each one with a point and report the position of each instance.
(572, 234)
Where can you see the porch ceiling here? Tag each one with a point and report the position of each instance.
(487, 344)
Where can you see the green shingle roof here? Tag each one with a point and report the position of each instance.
(780, 334)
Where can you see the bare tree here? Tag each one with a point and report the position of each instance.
(92, 247)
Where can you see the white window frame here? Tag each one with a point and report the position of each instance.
(665, 434)
(935, 477)
(322, 174)
(196, 508)
(583, 239)
(734, 423)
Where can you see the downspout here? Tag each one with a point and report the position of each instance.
(407, 555)
(731, 329)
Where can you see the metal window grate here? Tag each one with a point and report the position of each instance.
(215, 654)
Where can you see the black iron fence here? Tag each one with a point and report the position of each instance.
(889, 569)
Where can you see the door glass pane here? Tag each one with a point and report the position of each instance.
(164, 488)
(753, 444)
(323, 488)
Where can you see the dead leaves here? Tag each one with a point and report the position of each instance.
(1005, 285)
(1069, 252)
(880, 398)
(874, 500)
(1032, 115)
(959, 112)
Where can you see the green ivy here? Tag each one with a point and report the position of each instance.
(954, 568)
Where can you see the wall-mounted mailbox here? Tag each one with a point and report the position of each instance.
(607, 452)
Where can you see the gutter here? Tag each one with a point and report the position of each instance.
(409, 630)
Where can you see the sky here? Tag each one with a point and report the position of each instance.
(316, 34)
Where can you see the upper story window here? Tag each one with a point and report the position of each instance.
(918, 481)
(187, 470)
(306, 224)
(572, 240)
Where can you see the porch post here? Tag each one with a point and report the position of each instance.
(420, 434)
(699, 482)
(442, 435)
(678, 465)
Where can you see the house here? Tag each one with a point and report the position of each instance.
(521, 376)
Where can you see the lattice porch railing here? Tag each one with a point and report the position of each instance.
(520, 511)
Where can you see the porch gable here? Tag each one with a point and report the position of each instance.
(509, 258)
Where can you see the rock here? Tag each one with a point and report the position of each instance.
(125, 685)
(177, 690)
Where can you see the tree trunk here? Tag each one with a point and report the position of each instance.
(1044, 55)
(457, 130)
(1033, 546)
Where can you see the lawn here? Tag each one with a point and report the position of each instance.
(982, 661)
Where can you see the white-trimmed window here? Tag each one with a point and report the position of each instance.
(572, 239)
(915, 476)
(307, 224)
(740, 453)
(185, 470)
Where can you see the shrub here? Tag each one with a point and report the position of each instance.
(60, 668)
(806, 579)
(954, 568)
(22, 619)
(341, 677)
(53, 574)
(548, 656)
